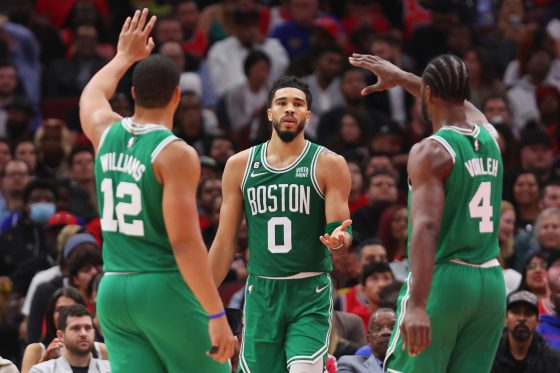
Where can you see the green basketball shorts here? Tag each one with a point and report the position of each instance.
(467, 310)
(286, 321)
(153, 323)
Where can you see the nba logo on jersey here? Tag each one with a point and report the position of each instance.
(130, 142)
(256, 165)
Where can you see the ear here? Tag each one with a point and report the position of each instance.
(428, 93)
(177, 94)
(308, 116)
(269, 114)
(133, 92)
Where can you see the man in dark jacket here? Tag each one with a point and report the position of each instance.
(521, 350)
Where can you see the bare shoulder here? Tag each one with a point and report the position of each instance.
(235, 168)
(177, 151)
(239, 159)
(429, 156)
(329, 159)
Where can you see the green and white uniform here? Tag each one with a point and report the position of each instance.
(466, 304)
(151, 320)
(288, 294)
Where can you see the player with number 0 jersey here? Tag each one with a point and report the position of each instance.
(293, 195)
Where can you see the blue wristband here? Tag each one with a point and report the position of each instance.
(217, 315)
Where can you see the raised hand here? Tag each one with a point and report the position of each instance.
(135, 42)
(388, 75)
(336, 239)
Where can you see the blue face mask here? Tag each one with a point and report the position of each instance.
(42, 211)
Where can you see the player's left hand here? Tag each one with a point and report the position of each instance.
(336, 240)
(416, 330)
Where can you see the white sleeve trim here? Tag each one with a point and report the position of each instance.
(445, 144)
(168, 140)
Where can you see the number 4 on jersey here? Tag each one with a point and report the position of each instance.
(480, 207)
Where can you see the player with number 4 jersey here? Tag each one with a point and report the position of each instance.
(293, 195)
(451, 308)
(157, 304)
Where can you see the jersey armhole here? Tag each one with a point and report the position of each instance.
(102, 138)
(445, 144)
(247, 168)
(166, 141)
(314, 174)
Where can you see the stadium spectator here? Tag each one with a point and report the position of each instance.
(226, 57)
(14, 177)
(380, 327)
(77, 334)
(381, 193)
(5, 153)
(26, 151)
(521, 349)
(82, 260)
(549, 327)
(19, 119)
(512, 278)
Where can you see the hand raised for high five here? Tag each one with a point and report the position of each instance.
(135, 42)
(388, 75)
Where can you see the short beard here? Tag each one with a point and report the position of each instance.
(521, 333)
(287, 136)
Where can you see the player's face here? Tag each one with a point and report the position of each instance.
(288, 113)
(521, 321)
(79, 335)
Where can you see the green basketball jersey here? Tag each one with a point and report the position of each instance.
(130, 199)
(473, 196)
(285, 215)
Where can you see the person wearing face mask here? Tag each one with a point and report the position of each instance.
(27, 237)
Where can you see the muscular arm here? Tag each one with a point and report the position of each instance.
(231, 214)
(134, 44)
(178, 168)
(429, 166)
(334, 179)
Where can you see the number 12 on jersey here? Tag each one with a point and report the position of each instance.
(480, 207)
(121, 209)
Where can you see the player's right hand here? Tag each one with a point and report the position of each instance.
(222, 337)
(388, 75)
(135, 42)
(416, 330)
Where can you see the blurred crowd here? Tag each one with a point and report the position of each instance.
(229, 53)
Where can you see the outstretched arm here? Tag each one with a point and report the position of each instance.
(389, 76)
(134, 45)
(428, 168)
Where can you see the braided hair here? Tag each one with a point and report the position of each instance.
(448, 78)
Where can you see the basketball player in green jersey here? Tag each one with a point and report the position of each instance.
(146, 183)
(451, 309)
(294, 197)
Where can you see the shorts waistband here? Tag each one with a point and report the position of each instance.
(488, 264)
(293, 277)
